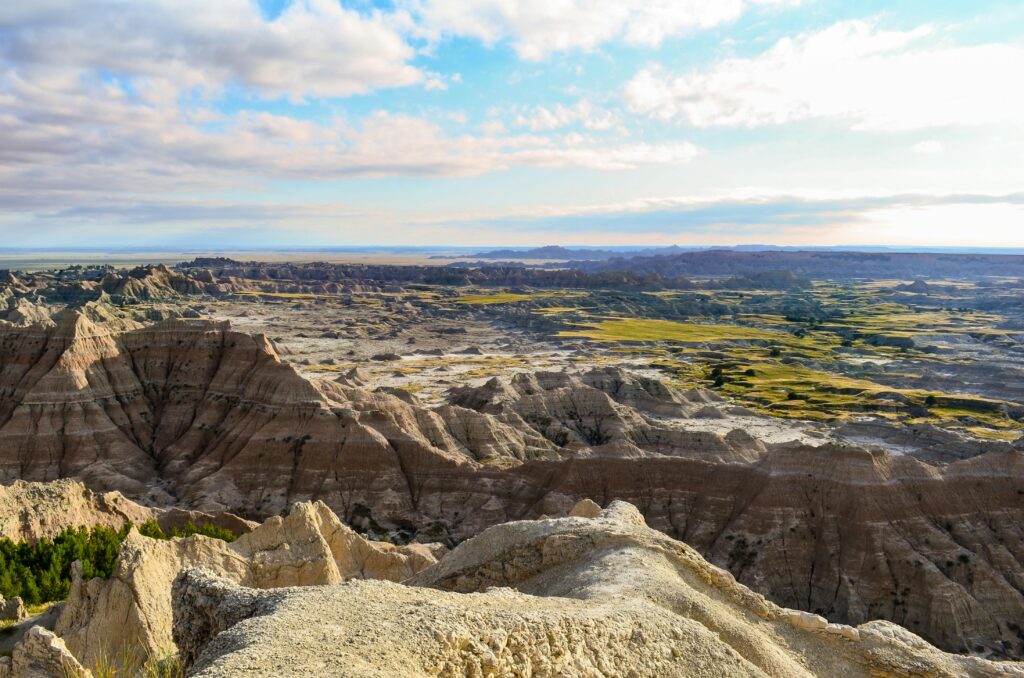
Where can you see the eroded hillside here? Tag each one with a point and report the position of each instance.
(192, 413)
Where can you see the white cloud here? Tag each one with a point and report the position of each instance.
(536, 28)
(929, 147)
(314, 48)
(738, 217)
(83, 142)
(852, 72)
(439, 81)
(94, 109)
(493, 127)
(582, 112)
(614, 157)
(996, 224)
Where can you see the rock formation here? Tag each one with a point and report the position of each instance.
(194, 414)
(148, 283)
(569, 597)
(41, 654)
(30, 511)
(130, 613)
(22, 312)
(12, 609)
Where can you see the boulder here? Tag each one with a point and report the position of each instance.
(41, 654)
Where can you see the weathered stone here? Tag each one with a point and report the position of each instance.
(130, 613)
(13, 609)
(564, 597)
(191, 412)
(41, 654)
(585, 508)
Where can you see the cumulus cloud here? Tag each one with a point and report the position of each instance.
(852, 72)
(80, 142)
(122, 97)
(536, 28)
(313, 48)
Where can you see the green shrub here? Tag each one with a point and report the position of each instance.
(206, 529)
(41, 572)
(152, 529)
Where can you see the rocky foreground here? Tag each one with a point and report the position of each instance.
(594, 594)
(581, 596)
(126, 619)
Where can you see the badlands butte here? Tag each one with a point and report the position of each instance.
(720, 463)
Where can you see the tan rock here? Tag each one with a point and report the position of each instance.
(934, 547)
(13, 609)
(41, 654)
(131, 612)
(585, 508)
(561, 597)
(30, 511)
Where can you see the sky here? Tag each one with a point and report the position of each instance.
(305, 123)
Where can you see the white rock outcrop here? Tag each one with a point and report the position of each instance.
(130, 613)
(570, 597)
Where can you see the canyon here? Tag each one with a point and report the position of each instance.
(426, 417)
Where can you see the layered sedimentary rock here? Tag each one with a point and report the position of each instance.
(850, 534)
(146, 283)
(130, 613)
(606, 413)
(192, 413)
(570, 597)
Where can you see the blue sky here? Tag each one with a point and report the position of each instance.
(296, 123)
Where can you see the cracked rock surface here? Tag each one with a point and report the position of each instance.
(602, 596)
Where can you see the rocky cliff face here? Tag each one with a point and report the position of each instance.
(129, 615)
(850, 534)
(571, 597)
(190, 412)
(41, 654)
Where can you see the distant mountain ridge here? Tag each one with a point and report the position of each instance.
(814, 264)
(561, 253)
(557, 252)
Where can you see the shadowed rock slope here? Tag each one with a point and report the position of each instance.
(194, 414)
(570, 597)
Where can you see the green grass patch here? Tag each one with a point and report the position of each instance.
(282, 295)
(488, 299)
(637, 329)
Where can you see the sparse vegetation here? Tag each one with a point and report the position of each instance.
(151, 528)
(642, 329)
(128, 666)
